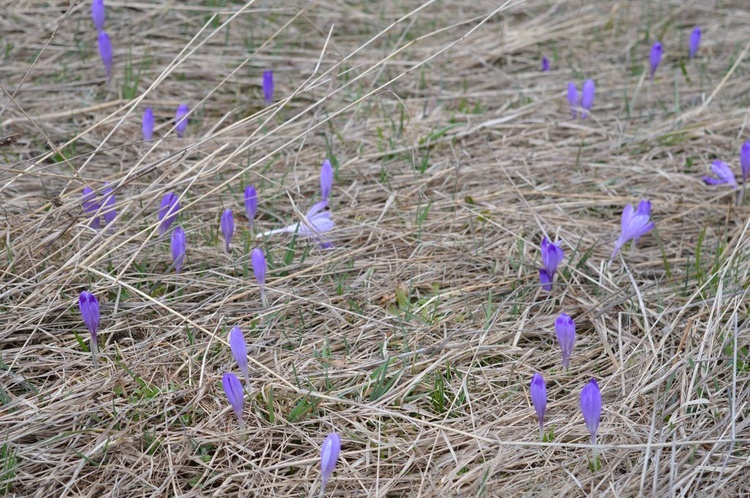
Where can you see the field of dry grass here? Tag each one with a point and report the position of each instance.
(416, 336)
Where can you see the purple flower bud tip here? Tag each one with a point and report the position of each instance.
(695, 41)
(170, 205)
(239, 351)
(251, 203)
(572, 98)
(268, 86)
(89, 306)
(227, 227)
(723, 174)
(587, 96)
(233, 390)
(91, 206)
(565, 330)
(545, 64)
(591, 407)
(179, 247)
(552, 255)
(98, 14)
(329, 454)
(635, 224)
(745, 161)
(181, 119)
(539, 399)
(148, 124)
(326, 179)
(105, 51)
(655, 57)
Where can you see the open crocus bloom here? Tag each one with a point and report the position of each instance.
(314, 224)
(635, 223)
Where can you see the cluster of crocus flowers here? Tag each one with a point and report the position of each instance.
(586, 101)
(694, 42)
(258, 260)
(235, 395)
(538, 391)
(635, 224)
(552, 255)
(147, 124)
(565, 330)
(168, 210)
(89, 306)
(268, 87)
(227, 228)
(181, 119)
(329, 455)
(655, 57)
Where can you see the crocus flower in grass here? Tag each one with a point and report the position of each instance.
(635, 224)
(105, 51)
(91, 207)
(545, 64)
(251, 204)
(572, 98)
(655, 57)
(236, 397)
(170, 205)
(539, 400)
(89, 306)
(552, 255)
(565, 330)
(259, 269)
(587, 96)
(329, 454)
(227, 227)
(326, 179)
(591, 407)
(745, 161)
(268, 86)
(178, 244)
(695, 41)
(108, 208)
(148, 124)
(98, 14)
(314, 224)
(239, 352)
(723, 174)
(181, 119)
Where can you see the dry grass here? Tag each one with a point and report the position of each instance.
(416, 337)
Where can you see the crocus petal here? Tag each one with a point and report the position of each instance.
(695, 41)
(233, 390)
(538, 391)
(545, 64)
(251, 203)
(326, 179)
(227, 227)
(105, 51)
(591, 407)
(91, 206)
(239, 350)
(587, 95)
(168, 211)
(745, 161)
(181, 119)
(148, 124)
(268, 86)
(565, 330)
(724, 172)
(98, 14)
(259, 265)
(108, 207)
(89, 306)
(655, 57)
(178, 245)
(329, 454)
(545, 280)
(572, 98)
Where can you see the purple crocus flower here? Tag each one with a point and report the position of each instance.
(655, 58)
(259, 269)
(539, 400)
(178, 244)
(723, 174)
(313, 225)
(268, 86)
(326, 179)
(89, 306)
(251, 204)
(91, 206)
(108, 208)
(587, 96)
(329, 454)
(591, 407)
(545, 64)
(105, 51)
(745, 161)
(148, 124)
(635, 224)
(572, 98)
(695, 41)
(98, 14)
(227, 227)
(236, 397)
(239, 352)
(181, 119)
(170, 205)
(552, 255)
(565, 330)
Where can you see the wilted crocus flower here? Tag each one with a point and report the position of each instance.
(90, 206)
(108, 208)
(239, 352)
(635, 224)
(724, 175)
(97, 14)
(745, 161)
(326, 179)
(545, 64)
(552, 255)
(227, 227)
(587, 96)
(572, 98)
(268, 86)
(539, 400)
(178, 244)
(181, 119)
(105, 51)
(251, 204)
(565, 330)
(655, 58)
(695, 41)
(170, 205)
(259, 269)
(89, 306)
(148, 124)
(329, 454)
(591, 407)
(317, 222)
(236, 397)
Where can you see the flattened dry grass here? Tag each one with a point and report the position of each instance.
(415, 337)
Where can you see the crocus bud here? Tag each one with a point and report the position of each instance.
(98, 14)
(105, 51)
(91, 207)
(108, 208)
(587, 96)
(170, 205)
(655, 58)
(565, 330)
(695, 41)
(89, 306)
(148, 124)
(239, 352)
(572, 98)
(329, 454)
(723, 174)
(227, 227)
(545, 64)
(259, 269)
(539, 400)
(745, 161)
(236, 397)
(268, 86)
(326, 179)
(552, 255)
(181, 119)
(178, 245)
(591, 407)
(635, 224)
(251, 204)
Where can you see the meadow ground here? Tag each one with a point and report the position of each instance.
(416, 336)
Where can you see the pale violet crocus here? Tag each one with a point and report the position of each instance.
(314, 225)
(538, 391)
(745, 162)
(170, 205)
(565, 330)
(587, 97)
(98, 14)
(591, 407)
(635, 224)
(572, 98)
(105, 52)
(724, 175)
(227, 228)
(268, 87)
(239, 352)
(147, 124)
(655, 57)
(178, 244)
(251, 204)
(91, 207)
(329, 455)
(326, 179)
(89, 306)
(552, 255)
(181, 119)
(235, 395)
(258, 260)
(695, 41)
